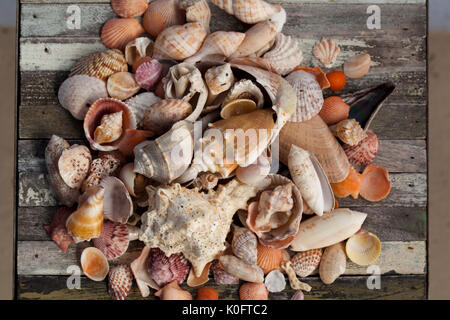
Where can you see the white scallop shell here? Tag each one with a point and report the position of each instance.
(326, 51)
(285, 54)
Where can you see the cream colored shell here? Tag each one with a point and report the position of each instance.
(285, 55)
(349, 131)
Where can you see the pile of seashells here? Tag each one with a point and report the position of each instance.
(150, 176)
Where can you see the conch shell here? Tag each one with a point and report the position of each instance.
(248, 11)
(326, 51)
(285, 55)
(205, 220)
(256, 38)
(197, 11)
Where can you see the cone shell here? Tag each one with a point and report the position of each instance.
(241, 270)
(138, 104)
(333, 263)
(95, 114)
(162, 14)
(244, 245)
(364, 152)
(77, 93)
(118, 32)
(94, 264)
(256, 38)
(100, 64)
(179, 42)
(113, 241)
(304, 263)
(375, 185)
(285, 55)
(149, 73)
(163, 269)
(253, 291)
(270, 258)
(350, 186)
(334, 110)
(86, 222)
(245, 89)
(207, 293)
(349, 131)
(363, 248)
(74, 165)
(275, 281)
(331, 228)
(248, 11)
(118, 206)
(122, 85)
(221, 276)
(162, 115)
(172, 291)
(309, 95)
(326, 51)
(315, 136)
(197, 11)
(100, 168)
(138, 49)
(120, 281)
(129, 8)
(357, 67)
(219, 79)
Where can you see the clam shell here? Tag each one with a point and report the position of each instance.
(333, 263)
(221, 276)
(331, 228)
(245, 89)
(241, 270)
(138, 49)
(219, 79)
(129, 8)
(163, 269)
(179, 42)
(334, 110)
(77, 93)
(117, 206)
(309, 95)
(363, 248)
(253, 291)
(357, 66)
(256, 38)
(304, 263)
(162, 115)
(197, 11)
(285, 55)
(122, 85)
(120, 281)
(248, 11)
(275, 281)
(172, 291)
(94, 264)
(74, 165)
(113, 241)
(57, 229)
(138, 104)
(148, 74)
(100, 168)
(100, 64)
(326, 51)
(270, 258)
(349, 131)
(350, 186)
(364, 152)
(375, 185)
(244, 245)
(237, 107)
(162, 14)
(118, 32)
(139, 268)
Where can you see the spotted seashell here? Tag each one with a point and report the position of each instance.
(162, 115)
(349, 131)
(326, 51)
(120, 281)
(197, 11)
(162, 14)
(118, 32)
(364, 152)
(245, 89)
(100, 168)
(129, 8)
(149, 73)
(248, 11)
(140, 103)
(74, 165)
(113, 240)
(219, 79)
(122, 85)
(304, 263)
(309, 95)
(244, 245)
(285, 54)
(163, 269)
(221, 276)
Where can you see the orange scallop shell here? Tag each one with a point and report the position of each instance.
(375, 185)
(334, 109)
(253, 291)
(162, 14)
(118, 32)
(350, 186)
(207, 293)
(269, 258)
(129, 8)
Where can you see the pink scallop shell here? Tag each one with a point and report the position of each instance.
(164, 270)
(221, 276)
(364, 152)
(113, 240)
(120, 281)
(148, 74)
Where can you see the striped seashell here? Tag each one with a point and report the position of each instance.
(256, 38)
(118, 32)
(248, 11)
(162, 14)
(100, 64)
(113, 241)
(138, 49)
(149, 73)
(326, 51)
(122, 85)
(285, 54)
(309, 95)
(73, 165)
(120, 281)
(197, 11)
(334, 110)
(140, 103)
(244, 245)
(240, 269)
(221, 276)
(364, 152)
(349, 131)
(77, 93)
(100, 168)
(162, 115)
(163, 269)
(275, 281)
(357, 66)
(253, 291)
(219, 79)
(94, 264)
(179, 42)
(129, 8)
(304, 263)
(218, 43)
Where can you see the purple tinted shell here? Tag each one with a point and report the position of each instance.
(148, 74)
(164, 270)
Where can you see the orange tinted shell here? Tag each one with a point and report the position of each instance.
(334, 109)
(319, 74)
(375, 185)
(350, 186)
(207, 293)
(253, 291)
(118, 32)
(269, 258)
(337, 80)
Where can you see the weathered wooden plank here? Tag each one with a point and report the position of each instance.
(353, 287)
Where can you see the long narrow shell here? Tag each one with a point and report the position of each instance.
(248, 11)
(118, 32)
(162, 14)
(285, 55)
(129, 8)
(349, 131)
(304, 263)
(94, 264)
(197, 11)
(244, 245)
(326, 51)
(138, 104)
(329, 229)
(364, 152)
(363, 248)
(162, 115)
(242, 270)
(74, 165)
(256, 38)
(333, 263)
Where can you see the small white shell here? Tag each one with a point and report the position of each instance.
(275, 281)
(326, 51)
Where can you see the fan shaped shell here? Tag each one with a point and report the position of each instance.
(129, 8)
(162, 14)
(118, 32)
(364, 152)
(163, 269)
(285, 55)
(113, 241)
(304, 263)
(120, 281)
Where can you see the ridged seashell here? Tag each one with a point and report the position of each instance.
(163, 269)
(138, 49)
(349, 131)
(298, 295)
(221, 276)
(148, 74)
(120, 281)
(334, 110)
(73, 165)
(97, 111)
(245, 89)
(237, 107)
(357, 66)
(94, 264)
(118, 32)
(113, 241)
(100, 168)
(219, 79)
(304, 263)
(220, 43)
(275, 281)
(138, 104)
(122, 85)
(331, 228)
(57, 229)
(139, 268)
(110, 128)
(172, 291)
(375, 185)
(363, 248)
(326, 51)
(162, 14)
(194, 281)
(248, 11)
(129, 8)
(135, 183)
(309, 95)
(333, 263)
(100, 64)
(86, 222)
(285, 55)
(256, 38)
(242, 270)
(179, 42)
(162, 115)
(244, 245)
(77, 93)
(257, 171)
(253, 291)
(364, 152)
(270, 258)
(117, 206)
(207, 293)
(197, 11)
